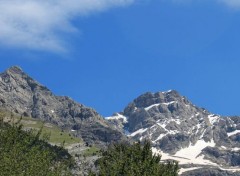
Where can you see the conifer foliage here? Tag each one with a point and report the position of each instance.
(23, 153)
(134, 160)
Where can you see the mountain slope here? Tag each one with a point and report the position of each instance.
(182, 131)
(23, 95)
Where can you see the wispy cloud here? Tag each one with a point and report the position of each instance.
(228, 3)
(232, 3)
(38, 24)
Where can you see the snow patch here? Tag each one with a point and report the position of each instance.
(159, 137)
(213, 118)
(150, 107)
(199, 160)
(235, 149)
(184, 160)
(193, 151)
(158, 104)
(232, 124)
(233, 133)
(182, 170)
(233, 169)
(140, 131)
(168, 103)
(163, 125)
(203, 134)
(167, 91)
(178, 121)
(118, 117)
(197, 128)
(224, 147)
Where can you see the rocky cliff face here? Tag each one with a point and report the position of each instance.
(21, 94)
(181, 131)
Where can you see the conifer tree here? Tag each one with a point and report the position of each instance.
(23, 153)
(134, 160)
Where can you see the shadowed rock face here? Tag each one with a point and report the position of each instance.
(174, 124)
(23, 95)
(229, 157)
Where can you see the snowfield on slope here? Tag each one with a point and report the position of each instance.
(192, 155)
(189, 155)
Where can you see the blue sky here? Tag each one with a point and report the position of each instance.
(105, 53)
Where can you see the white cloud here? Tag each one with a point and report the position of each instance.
(38, 24)
(232, 3)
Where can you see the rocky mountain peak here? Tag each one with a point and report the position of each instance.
(150, 98)
(15, 70)
(180, 130)
(21, 94)
(148, 108)
(15, 79)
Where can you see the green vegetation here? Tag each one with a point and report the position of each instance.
(134, 160)
(56, 135)
(24, 153)
(91, 151)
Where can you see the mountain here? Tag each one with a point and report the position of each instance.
(21, 94)
(202, 142)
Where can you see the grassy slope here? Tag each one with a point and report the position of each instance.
(56, 135)
(92, 150)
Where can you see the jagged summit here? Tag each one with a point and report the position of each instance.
(15, 80)
(147, 99)
(21, 94)
(15, 69)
